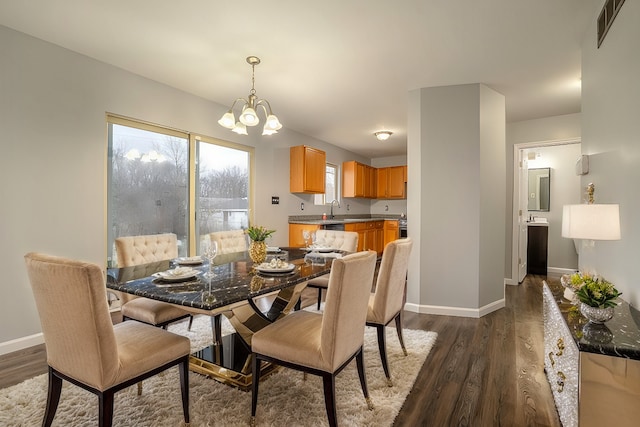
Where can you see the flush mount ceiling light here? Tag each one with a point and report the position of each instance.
(383, 135)
(249, 114)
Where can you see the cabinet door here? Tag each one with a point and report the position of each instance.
(295, 234)
(360, 228)
(395, 185)
(373, 179)
(307, 170)
(315, 170)
(360, 180)
(381, 186)
(391, 232)
(379, 237)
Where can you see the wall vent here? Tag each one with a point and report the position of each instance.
(608, 14)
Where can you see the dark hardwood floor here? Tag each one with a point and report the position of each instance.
(481, 372)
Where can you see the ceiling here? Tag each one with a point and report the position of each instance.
(337, 70)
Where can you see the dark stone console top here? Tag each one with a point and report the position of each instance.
(619, 337)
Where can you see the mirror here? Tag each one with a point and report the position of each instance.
(539, 189)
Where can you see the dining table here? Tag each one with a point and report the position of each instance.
(251, 296)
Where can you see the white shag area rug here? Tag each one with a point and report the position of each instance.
(285, 399)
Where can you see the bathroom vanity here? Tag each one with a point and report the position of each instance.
(537, 244)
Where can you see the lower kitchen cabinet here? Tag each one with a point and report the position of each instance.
(593, 370)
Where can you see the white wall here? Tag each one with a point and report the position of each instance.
(52, 167)
(557, 128)
(456, 151)
(610, 136)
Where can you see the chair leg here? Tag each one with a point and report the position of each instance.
(105, 402)
(190, 322)
(399, 330)
(382, 347)
(184, 388)
(53, 398)
(363, 378)
(319, 297)
(139, 388)
(329, 382)
(255, 382)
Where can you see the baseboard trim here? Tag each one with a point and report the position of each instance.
(21, 343)
(455, 311)
(557, 271)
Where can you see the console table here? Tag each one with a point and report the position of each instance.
(593, 370)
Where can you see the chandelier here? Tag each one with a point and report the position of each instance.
(249, 114)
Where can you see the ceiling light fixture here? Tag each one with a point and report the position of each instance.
(249, 114)
(383, 135)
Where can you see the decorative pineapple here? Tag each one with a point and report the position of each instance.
(258, 246)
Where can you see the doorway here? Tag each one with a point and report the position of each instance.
(565, 189)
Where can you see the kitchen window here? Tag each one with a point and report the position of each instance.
(330, 186)
(162, 180)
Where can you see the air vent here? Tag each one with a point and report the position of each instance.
(608, 14)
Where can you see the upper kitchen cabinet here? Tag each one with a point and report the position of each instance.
(358, 180)
(391, 182)
(307, 170)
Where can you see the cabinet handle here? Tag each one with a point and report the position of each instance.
(553, 362)
(560, 347)
(560, 382)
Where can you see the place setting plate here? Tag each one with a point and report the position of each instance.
(176, 275)
(276, 266)
(192, 260)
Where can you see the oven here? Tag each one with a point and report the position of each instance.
(402, 226)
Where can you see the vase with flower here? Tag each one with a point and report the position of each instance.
(258, 246)
(596, 296)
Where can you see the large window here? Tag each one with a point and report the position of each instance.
(165, 181)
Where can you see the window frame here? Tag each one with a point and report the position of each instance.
(192, 140)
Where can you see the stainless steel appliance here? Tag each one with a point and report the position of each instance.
(402, 226)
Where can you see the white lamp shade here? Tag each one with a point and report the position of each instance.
(228, 120)
(240, 129)
(249, 117)
(591, 222)
(272, 123)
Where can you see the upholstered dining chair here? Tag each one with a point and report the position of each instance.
(387, 301)
(229, 241)
(82, 345)
(335, 239)
(322, 343)
(137, 250)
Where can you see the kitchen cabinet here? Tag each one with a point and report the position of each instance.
(360, 228)
(307, 170)
(295, 234)
(358, 180)
(370, 235)
(391, 183)
(537, 242)
(593, 370)
(391, 232)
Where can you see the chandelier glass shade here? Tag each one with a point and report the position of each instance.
(251, 106)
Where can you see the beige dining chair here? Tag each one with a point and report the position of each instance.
(387, 301)
(322, 343)
(137, 250)
(82, 345)
(229, 241)
(341, 240)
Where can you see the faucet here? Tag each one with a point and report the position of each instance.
(331, 216)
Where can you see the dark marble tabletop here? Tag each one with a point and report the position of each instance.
(619, 337)
(235, 280)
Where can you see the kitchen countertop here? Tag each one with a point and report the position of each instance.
(338, 220)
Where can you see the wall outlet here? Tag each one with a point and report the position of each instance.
(275, 200)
